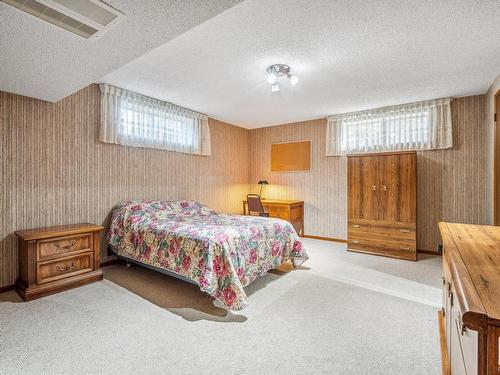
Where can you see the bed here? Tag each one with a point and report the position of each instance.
(220, 253)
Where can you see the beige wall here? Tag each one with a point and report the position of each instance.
(451, 183)
(55, 171)
(323, 189)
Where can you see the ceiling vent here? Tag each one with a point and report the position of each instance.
(86, 18)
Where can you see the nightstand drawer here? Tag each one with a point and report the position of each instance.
(57, 247)
(65, 267)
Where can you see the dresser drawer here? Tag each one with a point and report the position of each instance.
(278, 212)
(64, 267)
(61, 246)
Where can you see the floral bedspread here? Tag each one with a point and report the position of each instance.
(221, 253)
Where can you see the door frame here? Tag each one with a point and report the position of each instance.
(496, 159)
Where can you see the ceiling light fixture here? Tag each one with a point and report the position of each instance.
(276, 71)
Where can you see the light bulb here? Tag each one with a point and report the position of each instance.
(271, 78)
(294, 80)
(275, 87)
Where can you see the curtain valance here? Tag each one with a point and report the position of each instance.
(131, 119)
(417, 126)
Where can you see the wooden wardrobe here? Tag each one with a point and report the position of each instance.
(382, 207)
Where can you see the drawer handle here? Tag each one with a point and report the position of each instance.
(384, 188)
(356, 225)
(374, 187)
(404, 248)
(355, 241)
(404, 230)
(67, 268)
(66, 247)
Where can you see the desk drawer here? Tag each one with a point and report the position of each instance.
(61, 246)
(278, 212)
(65, 267)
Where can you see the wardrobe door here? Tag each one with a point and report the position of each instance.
(397, 188)
(363, 189)
(389, 185)
(370, 187)
(355, 188)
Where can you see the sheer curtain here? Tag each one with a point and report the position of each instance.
(131, 119)
(416, 126)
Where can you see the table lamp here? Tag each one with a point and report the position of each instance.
(262, 183)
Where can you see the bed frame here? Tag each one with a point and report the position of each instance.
(128, 262)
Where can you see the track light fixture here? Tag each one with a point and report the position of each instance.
(276, 71)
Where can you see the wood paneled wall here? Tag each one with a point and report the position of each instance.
(55, 171)
(323, 189)
(452, 184)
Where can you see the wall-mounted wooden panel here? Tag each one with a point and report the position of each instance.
(291, 156)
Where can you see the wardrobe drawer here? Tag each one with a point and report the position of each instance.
(61, 246)
(383, 231)
(393, 249)
(279, 212)
(64, 267)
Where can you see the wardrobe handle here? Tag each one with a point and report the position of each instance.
(374, 187)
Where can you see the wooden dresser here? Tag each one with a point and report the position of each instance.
(58, 258)
(289, 210)
(470, 317)
(382, 204)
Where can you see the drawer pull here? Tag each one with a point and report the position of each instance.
(66, 247)
(67, 268)
(355, 241)
(384, 188)
(404, 230)
(374, 187)
(404, 248)
(356, 225)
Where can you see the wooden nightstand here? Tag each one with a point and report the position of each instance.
(58, 258)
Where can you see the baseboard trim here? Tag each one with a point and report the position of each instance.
(325, 238)
(7, 288)
(110, 262)
(429, 252)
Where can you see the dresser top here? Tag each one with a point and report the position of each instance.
(56, 231)
(475, 252)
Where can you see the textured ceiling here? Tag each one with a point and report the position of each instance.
(349, 55)
(41, 60)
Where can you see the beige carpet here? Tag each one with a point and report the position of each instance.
(303, 321)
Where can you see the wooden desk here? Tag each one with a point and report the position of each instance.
(289, 210)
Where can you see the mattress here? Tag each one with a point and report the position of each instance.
(220, 253)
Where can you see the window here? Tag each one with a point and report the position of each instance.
(417, 126)
(131, 119)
